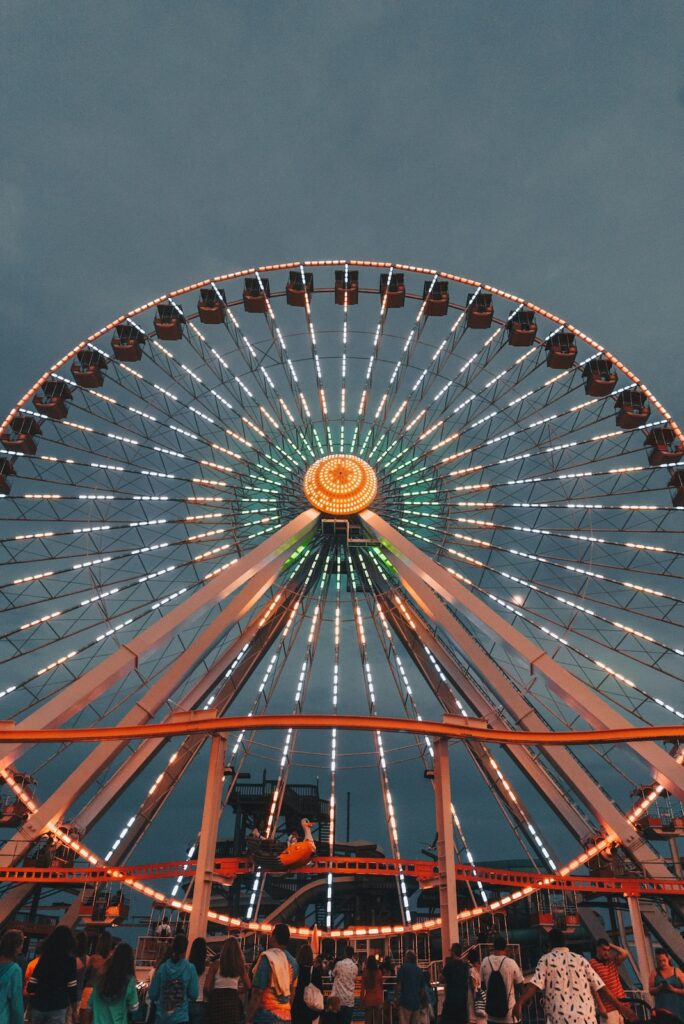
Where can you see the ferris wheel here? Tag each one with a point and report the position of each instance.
(342, 487)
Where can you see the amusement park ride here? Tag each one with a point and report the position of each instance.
(334, 518)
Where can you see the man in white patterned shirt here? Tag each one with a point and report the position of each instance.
(568, 983)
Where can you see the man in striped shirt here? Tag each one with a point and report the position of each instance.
(606, 963)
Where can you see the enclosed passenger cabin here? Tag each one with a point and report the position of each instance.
(13, 811)
(168, 323)
(102, 903)
(6, 471)
(631, 408)
(394, 288)
(298, 287)
(49, 851)
(255, 293)
(435, 298)
(521, 328)
(561, 350)
(212, 305)
(53, 398)
(479, 310)
(346, 287)
(21, 435)
(600, 377)
(127, 343)
(663, 445)
(677, 482)
(88, 368)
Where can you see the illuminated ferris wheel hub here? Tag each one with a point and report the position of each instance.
(517, 559)
(340, 485)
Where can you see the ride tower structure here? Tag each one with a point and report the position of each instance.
(344, 487)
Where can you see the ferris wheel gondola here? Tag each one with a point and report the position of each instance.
(516, 488)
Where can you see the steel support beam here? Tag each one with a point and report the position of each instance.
(92, 684)
(206, 854)
(641, 945)
(446, 853)
(412, 563)
(146, 706)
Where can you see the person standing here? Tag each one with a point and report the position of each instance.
(53, 986)
(410, 995)
(499, 974)
(173, 985)
(96, 963)
(667, 985)
(569, 985)
(273, 982)
(198, 959)
(606, 962)
(455, 977)
(308, 974)
(11, 998)
(372, 997)
(114, 993)
(344, 981)
(227, 984)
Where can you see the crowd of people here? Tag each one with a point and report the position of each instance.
(574, 990)
(66, 984)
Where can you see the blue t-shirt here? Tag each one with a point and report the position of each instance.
(410, 984)
(11, 998)
(172, 986)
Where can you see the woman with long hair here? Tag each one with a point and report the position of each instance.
(174, 985)
(96, 963)
(11, 998)
(114, 993)
(372, 997)
(198, 959)
(53, 986)
(227, 985)
(308, 975)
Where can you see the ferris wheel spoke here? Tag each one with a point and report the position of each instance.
(603, 584)
(534, 622)
(241, 658)
(130, 482)
(506, 798)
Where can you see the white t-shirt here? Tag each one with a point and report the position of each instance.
(568, 983)
(512, 976)
(344, 975)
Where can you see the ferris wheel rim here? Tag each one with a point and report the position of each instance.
(372, 264)
(237, 275)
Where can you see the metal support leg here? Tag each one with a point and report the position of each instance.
(641, 944)
(207, 844)
(445, 847)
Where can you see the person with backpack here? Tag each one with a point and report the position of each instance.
(173, 985)
(499, 974)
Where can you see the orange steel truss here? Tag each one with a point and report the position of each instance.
(184, 724)
(425, 873)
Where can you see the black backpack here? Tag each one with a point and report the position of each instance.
(496, 1003)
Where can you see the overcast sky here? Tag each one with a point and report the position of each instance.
(534, 145)
(537, 146)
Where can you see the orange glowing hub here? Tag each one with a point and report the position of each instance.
(340, 485)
